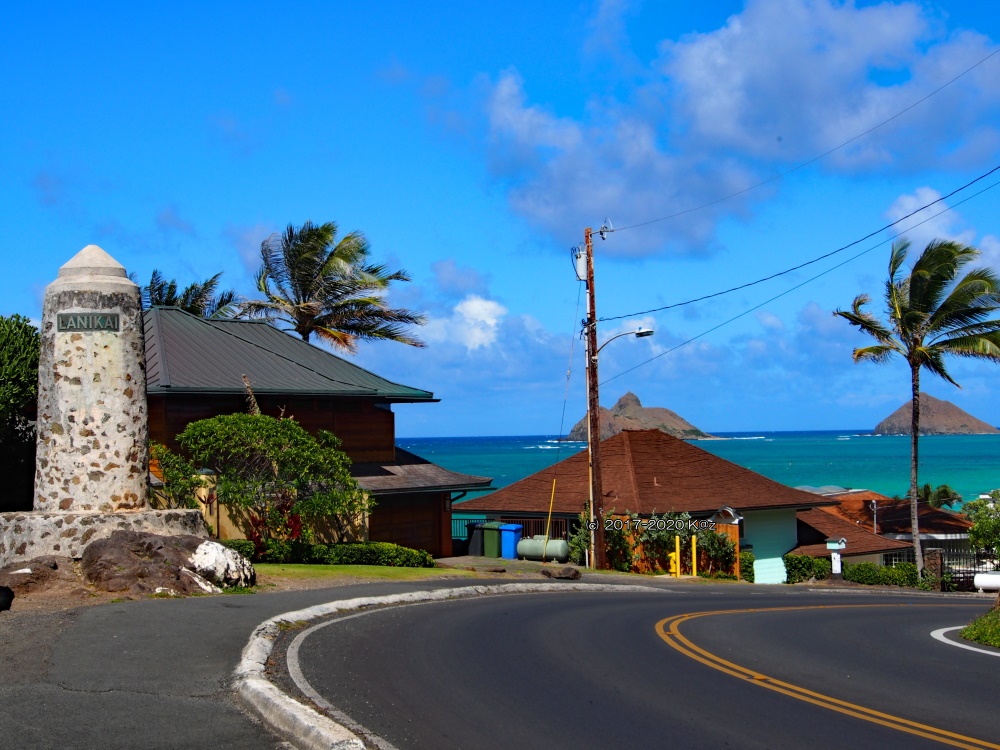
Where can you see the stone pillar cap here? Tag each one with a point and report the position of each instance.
(92, 261)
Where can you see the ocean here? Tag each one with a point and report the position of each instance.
(855, 459)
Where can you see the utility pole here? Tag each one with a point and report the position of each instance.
(594, 411)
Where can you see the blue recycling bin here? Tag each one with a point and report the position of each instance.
(510, 535)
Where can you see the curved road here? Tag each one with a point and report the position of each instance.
(612, 670)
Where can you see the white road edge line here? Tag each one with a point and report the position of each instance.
(305, 727)
(939, 634)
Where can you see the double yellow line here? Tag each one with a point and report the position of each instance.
(669, 630)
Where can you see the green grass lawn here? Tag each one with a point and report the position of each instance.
(357, 571)
(985, 629)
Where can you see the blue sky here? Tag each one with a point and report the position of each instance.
(473, 144)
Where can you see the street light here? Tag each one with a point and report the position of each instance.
(598, 547)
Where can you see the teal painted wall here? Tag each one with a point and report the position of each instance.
(772, 533)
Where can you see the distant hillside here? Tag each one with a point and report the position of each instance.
(629, 414)
(937, 417)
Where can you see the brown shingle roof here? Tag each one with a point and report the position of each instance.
(825, 523)
(894, 515)
(646, 471)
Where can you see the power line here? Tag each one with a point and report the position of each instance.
(797, 286)
(808, 262)
(815, 159)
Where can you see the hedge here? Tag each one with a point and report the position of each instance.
(746, 565)
(805, 568)
(361, 553)
(902, 574)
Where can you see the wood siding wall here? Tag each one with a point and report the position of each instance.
(367, 432)
(420, 521)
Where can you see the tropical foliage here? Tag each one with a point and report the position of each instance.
(20, 344)
(985, 516)
(314, 282)
(200, 298)
(933, 311)
(275, 477)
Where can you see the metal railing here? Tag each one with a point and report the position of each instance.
(558, 528)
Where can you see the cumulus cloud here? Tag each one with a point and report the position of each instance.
(474, 323)
(716, 113)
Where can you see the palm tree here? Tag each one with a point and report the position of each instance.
(934, 311)
(318, 284)
(199, 299)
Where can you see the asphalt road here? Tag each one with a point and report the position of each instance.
(590, 671)
(146, 674)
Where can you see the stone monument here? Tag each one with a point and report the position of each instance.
(92, 461)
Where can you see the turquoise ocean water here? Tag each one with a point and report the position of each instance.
(848, 458)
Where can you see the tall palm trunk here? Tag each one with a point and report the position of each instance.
(914, 443)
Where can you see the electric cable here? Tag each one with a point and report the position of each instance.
(804, 164)
(797, 286)
(808, 262)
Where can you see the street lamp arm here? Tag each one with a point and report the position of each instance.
(639, 333)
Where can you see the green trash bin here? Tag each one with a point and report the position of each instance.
(491, 539)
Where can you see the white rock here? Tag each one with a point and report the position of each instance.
(222, 566)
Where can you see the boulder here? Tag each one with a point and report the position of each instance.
(37, 574)
(567, 573)
(143, 563)
(6, 598)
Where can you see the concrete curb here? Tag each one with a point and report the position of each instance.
(306, 728)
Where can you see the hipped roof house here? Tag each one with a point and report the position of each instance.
(648, 471)
(195, 369)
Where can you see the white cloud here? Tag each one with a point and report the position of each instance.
(715, 113)
(473, 323)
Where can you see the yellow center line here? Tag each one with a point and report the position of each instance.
(669, 630)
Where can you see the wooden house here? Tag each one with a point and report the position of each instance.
(195, 368)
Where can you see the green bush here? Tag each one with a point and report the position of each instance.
(181, 480)
(746, 565)
(800, 568)
(863, 572)
(719, 550)
(984, 630)
(378, 553)
(579, 540)
(277, 551)
(20, 344)
(902, 574)
(243, 546)
(275, 477)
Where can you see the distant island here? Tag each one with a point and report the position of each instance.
(937, 417)
(629, 414)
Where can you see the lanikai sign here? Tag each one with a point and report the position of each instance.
(87, 322)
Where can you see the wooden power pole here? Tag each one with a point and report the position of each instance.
(594, 411)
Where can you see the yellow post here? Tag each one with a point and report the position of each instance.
(677, 556)
(694, 554)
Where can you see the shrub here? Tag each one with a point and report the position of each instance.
(658, 535)
(620, 552)
(902, 574)
(805, 568)
(377, 553)
(746, 565)
(718, 549)
(273, 475)
(985, 629)
(243, 546)
(20, 344)
(181, 479)
(579, 540)
(863, 572)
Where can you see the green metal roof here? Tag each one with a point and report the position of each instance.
(188, 354)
